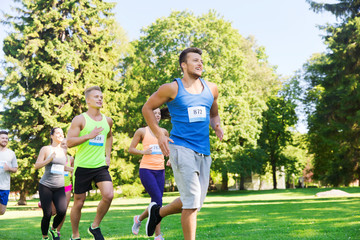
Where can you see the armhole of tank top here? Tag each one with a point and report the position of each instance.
(104, 118)
(178, 84)
(207, 86)
(84, 115)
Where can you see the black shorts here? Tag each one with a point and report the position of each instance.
(84, 177)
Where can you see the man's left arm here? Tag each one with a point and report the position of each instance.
(109, 142)
(214, 113)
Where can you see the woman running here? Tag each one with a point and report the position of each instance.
(51, 186)
(67, 180)
(151, 171)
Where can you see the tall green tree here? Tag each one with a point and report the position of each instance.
(56, 50)
(333, 97)
(276, 133)
(236, 64)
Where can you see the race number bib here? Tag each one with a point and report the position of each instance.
(155, 149)
(66, 173)
(197, 114)
(97, 141)
(57, 169)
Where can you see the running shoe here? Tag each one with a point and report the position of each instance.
(159, 237)
(54, 234)
(74, 238)
(154, 218)
(96, 232)
(136, 225)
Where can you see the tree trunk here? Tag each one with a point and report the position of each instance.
(22, 200)
(224, 181)
(273, 166)
(242, 182)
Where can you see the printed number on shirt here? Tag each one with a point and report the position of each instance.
(155, 149)
(97, 141)
(197, 114)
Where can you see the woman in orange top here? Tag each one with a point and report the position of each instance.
(151, 171)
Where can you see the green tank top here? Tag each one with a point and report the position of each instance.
(91, 153)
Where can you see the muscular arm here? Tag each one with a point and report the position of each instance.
(214, 114)
(109, 142)
(77, 125)
(73, 138)
(164, 94)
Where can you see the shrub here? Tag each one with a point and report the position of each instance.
(132, 190)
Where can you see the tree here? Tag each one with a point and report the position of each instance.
(275, 134)
(57, 49)
(332, 97)
(235, 64)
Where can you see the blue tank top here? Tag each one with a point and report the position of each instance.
(190, 118)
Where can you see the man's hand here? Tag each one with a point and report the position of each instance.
(6, 167)
(219, 132)
(164, 144)
(168, 163)
(96, 131)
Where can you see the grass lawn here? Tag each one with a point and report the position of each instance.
(272, 214)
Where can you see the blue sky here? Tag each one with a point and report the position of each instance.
(286, 28)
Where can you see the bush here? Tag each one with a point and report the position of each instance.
(132, 190)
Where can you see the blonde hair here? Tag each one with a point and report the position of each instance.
(88, 90)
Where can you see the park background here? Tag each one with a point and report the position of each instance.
(289, 95)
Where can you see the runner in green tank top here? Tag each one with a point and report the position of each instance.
(91, 133)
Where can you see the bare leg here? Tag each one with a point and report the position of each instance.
(107, 193)
(68, 197)
(75, 213)
(157, 230)
(188, 223)
(2, 209)
(172, 208)
(144, 214)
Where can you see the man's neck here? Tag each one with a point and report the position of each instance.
(190, 78)
(93, 112)
(2, 148)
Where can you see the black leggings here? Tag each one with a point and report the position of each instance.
(47, 196)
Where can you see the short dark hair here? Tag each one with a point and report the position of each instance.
(88, 90)
(182, 57)
(4, 132)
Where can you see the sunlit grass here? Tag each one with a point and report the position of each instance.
(274, 214)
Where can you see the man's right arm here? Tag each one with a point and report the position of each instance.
(164, 94)
(73, 138)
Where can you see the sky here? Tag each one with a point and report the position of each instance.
(286, 28)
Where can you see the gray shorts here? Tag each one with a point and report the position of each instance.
(191, 172)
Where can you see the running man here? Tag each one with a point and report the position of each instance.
(8, 164)
(192, 103)
(91, 132)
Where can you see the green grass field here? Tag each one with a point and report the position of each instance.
(273, 214)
